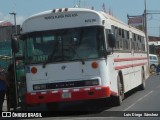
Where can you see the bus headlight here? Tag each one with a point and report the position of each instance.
(91, 82)
(39, 87)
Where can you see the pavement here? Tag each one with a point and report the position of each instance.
(33, 108)
(5, 105)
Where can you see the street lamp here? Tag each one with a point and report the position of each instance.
(14, 58)
(14, 14)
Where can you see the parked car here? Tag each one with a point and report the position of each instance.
(153, 62)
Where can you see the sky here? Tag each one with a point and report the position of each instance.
(119, 8)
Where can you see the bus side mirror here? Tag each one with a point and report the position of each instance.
(111, 40)
(14, 44)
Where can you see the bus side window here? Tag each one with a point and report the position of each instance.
(139, 41)
(120, 38)
(143, 44)
(116, 35)
(128, 40)
(134, 42)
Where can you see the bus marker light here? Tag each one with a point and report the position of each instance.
(60, 10)
(34, 70)
(94, 65)
(66, 9)
(54, 10)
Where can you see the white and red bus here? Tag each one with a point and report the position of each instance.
(74, 54)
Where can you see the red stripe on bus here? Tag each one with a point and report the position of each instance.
(128, 66)
(81, 94)
(129, 59)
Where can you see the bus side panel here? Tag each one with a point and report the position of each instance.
(112, 74)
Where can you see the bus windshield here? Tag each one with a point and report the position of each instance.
(65, 45)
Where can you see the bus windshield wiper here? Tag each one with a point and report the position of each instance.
(53, 53)
(49, 58)
(73, 50)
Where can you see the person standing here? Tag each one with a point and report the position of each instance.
(3, 87)
(11, 89)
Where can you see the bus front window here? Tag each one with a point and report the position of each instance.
(65, 45)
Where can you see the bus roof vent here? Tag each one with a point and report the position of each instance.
(66, 9)
(60, 10)
(54, 10)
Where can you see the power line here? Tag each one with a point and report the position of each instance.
(154, 27)
(153, 12)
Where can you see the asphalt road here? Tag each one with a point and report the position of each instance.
(137, 103)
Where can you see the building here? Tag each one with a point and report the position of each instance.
(5, 23)
(6, 30)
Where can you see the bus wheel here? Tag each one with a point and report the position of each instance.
(118, 99)
(52, 106)
(143, 85)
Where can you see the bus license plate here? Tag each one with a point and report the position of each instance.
(66, 95)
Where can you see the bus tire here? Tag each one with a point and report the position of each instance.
(52, 106)
(143, 85)
(117, 100)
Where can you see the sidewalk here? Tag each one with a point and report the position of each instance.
(41, 107)
(5, 104)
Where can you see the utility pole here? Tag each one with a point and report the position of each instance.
(145, 17)
(159, 31)
(79, 4)
(14, 58)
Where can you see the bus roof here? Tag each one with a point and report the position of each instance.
(61, 19)
(72, 18)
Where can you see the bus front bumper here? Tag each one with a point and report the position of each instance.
(67, 95)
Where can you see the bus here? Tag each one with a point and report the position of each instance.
(78, 54)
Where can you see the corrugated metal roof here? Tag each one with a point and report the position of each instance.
(5, 23)
(154, 39)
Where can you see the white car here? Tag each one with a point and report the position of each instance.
(153, 62)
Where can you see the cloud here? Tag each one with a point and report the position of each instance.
(20, 19)
(10, 18)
